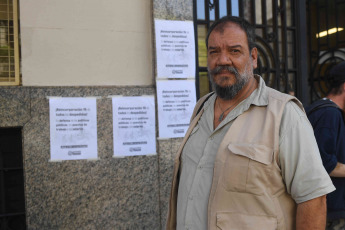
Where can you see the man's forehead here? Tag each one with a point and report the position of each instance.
(238, 37)
(226, 25)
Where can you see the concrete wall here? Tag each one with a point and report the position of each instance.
(89, 42)
(109, 193)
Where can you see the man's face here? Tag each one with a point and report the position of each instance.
(229, 61)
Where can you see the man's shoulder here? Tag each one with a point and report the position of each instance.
(276, 97)
(200, 104)
(321, 106)
(324, 113)
(275, 94)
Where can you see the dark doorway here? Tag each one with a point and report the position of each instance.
(12, 202)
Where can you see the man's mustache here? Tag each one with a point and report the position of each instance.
(220, 69)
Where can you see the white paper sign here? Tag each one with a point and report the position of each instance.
(175, 49)
(134, 126)
(73, 128)
(176, 101)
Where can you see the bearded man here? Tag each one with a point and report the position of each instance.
(249, 159)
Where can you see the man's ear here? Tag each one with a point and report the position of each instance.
(254, 55)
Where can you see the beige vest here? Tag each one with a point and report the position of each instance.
(247, 190)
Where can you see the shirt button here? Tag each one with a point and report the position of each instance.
(211, 138)
(199, 167)
(190, 197)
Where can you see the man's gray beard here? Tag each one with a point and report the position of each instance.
(229, 92)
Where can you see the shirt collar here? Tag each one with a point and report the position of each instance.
(259, 97)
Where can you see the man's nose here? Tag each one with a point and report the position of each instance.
(224, 59)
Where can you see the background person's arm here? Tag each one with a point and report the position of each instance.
(311, 214)
(338, 171)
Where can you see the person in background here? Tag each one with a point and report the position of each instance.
(249, 159)
(327, 118)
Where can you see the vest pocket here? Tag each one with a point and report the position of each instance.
(248, 168)
(239, 221)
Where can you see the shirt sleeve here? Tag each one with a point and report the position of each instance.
(302, 170)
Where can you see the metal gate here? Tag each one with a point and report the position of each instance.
(281, 40)
(326, 36)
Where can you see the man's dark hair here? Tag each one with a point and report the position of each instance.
(336, 78)
(336, 90)
(241, 22)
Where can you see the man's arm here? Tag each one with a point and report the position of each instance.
(338, 171)
(311, 214)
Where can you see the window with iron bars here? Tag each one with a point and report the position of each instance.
(277, 40)
(206, 12)
(9, 43)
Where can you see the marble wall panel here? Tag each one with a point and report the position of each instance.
(108, 193)
(173, 9)
(181, 10)
(14, 106)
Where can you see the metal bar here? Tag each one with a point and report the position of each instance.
(337, 24)
(253, 12)
(229, 7)
(197, 84)
(207, 13)
(264, 18)
(241, 9)
(276, 42)
(5, 12)
(284, 43)
(293, 28)
(12, 214)
(301, 46)
(327, 24)
(7, 38)
(16, 42)
(318, 25)
(313, 66)
(203, 69)
(310, 48)
(203, 22)
(5, 27)
(207, 17)
(216, 9)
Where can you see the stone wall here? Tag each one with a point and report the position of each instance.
(169, 10)
(108, 193)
